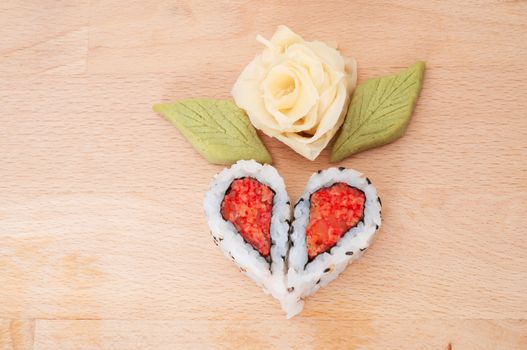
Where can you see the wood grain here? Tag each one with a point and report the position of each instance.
(267, 334)
(103, 243)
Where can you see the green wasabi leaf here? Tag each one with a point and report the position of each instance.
(379, 112)
(217, 129)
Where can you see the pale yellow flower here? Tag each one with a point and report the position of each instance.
(297, 91)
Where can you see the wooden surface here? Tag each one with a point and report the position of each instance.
(103, 242)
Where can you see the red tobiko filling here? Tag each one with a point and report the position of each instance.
(334, 210)
(248, 205)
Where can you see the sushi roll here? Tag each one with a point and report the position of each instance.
(335, 221)
(248, 212)
(249, 215)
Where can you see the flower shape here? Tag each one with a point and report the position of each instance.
(297, 91)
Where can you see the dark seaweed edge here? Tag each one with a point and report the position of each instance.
(269, 258)
(309, 260)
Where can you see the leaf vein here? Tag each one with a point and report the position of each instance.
(244, 137)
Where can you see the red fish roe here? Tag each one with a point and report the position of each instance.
(248, 205)
(334, 210)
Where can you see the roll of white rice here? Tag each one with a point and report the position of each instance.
(268, 274)
(287, 273)
(305, 277)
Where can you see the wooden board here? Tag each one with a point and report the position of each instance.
(103, 241)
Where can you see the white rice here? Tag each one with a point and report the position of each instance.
(270, 276)
(304, 277)
(290, 277)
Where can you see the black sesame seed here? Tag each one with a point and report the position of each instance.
(349, 253)
(292, 243)
(288, 203)
(363, 249)
(379, 199)
(327, 270)
(220, 239)
(376, 227)
(318, 281)
(283, 257)
(369, 182)
(341, 168)
(319, 171)
(290, 289)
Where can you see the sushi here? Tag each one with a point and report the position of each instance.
(248, 212)
(334, 222)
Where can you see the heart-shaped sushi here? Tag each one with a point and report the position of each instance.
(334, 221)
